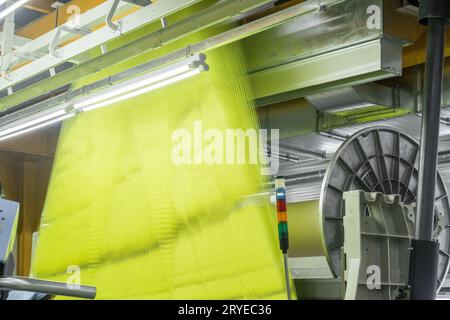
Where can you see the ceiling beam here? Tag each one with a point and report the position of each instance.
(42, 6)
(416, 54)
(48, 22)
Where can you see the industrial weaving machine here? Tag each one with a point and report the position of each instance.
(146, 105)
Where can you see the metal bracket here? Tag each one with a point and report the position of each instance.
(321, 7)
(164, 22)
(26, 55)
(117, 26)
(188, 51)
(110, 16)
(141, 3)
(55, 42)
(6, 59)
(104, 48)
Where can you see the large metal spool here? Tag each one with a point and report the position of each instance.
(378, 159)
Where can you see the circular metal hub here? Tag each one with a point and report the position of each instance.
(384, 160)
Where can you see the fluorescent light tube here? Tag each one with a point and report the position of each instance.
(142, 90)
(12, 126)
(124, 90)
(33, 127)
(32, 122)
(12, 7)
(144, 83)
(132, 85)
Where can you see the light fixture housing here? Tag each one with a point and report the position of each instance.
(144, 83)
(11, 126)
(36, 117)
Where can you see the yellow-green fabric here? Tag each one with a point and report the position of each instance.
(141, 227)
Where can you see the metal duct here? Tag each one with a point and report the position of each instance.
(403, 92)
(302, 57)
(410, 89)
(356, 97)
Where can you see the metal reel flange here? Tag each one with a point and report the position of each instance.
(379, 159)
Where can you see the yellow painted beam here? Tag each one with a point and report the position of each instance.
(42, 6)
(399, 24)
(405, 26)
(50, 21)
(416, 54)
(44, 25)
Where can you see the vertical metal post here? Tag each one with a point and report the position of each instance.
(286, 276)
(425, 251)
(430, 128)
